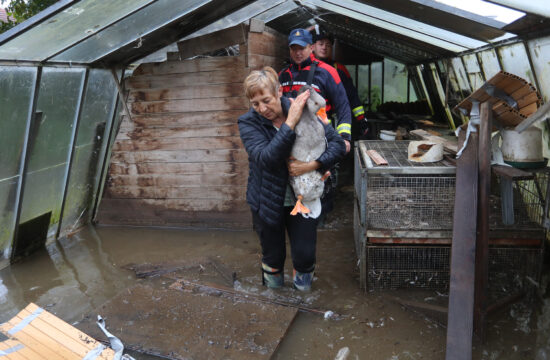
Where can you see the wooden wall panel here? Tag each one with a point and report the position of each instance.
(179, 161)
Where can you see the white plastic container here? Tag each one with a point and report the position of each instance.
(522, 148)
(387, 135)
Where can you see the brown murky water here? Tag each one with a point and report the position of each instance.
(77, 275)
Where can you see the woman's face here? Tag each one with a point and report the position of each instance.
(267, 104)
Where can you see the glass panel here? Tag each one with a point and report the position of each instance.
(473, 70)
(16, 89)
(154, 16)
(395, 81)
(67, 27)
(363, 86)
(352, 69)
(8, 192)
(376, 85)
(489, 63)
(58, 98)
(540, 54)
(460, 74)
(514, 60)
(90, 146)
(412, 94)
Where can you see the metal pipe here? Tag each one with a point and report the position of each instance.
(382, 87)
(76, 125)
(32, 122)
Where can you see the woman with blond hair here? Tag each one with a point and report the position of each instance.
(267, 132)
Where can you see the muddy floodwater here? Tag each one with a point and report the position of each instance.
(75, 276)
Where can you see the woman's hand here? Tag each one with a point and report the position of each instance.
(297, 167)
(296, 108)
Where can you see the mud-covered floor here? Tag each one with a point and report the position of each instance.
(74, 277)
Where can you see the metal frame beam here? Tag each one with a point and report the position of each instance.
(76, 126)
(25, 157)
(399, 24)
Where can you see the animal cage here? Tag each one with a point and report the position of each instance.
(403, 221)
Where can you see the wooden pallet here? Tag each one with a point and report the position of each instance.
(36, 334)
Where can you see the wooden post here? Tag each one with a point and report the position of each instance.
(482, 246)
(463, 248)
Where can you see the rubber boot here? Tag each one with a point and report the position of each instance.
(271, 277)
(302, 281)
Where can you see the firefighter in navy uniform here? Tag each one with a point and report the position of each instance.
(306, 69)
(322, 48)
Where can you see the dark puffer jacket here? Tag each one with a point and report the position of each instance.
(268, 150)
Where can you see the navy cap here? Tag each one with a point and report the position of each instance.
(300, 37)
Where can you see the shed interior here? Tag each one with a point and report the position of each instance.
(107, 107)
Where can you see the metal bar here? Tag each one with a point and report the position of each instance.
(466, 72)
(532, 68)
(121, 94)
(461, 295)
(408, 86)
(54, 64)
(480, 65)
(30, 132)
(76, 125)
(370, 86)
(98, 31)
(382, 87)
(33, 21)
(105, 164)
(482, 245)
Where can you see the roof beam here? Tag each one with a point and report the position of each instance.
(399, 24)
(536, 7)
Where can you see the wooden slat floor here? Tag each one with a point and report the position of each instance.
(35, 334)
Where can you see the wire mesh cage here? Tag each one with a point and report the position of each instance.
(511, 269)
(410, 202)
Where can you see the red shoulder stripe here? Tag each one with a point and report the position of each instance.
(343, 69)
(332, 71)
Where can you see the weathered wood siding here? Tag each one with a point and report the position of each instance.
(180, 161)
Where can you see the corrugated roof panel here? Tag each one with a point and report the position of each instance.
(537, 7)
(77, 22)
(399, 24)
(277, 11)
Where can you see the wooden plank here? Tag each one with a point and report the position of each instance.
(230, 142)
(213, 41)
(22, 354)
(217, 155)
(236, 168)
(529, 109)
(211, 118)
(189, 92)
(376, 157)
(185, 213)
(180, 180)
(224, 76)
(268, 44)
(34, 339)
(49, 332)
(204, 131)
(164, 192)
(512, 173)
(174, 106)
(461, 296)
(256, 61)
(541, 113)
(72, 332)
(190, 66)
(484, 208)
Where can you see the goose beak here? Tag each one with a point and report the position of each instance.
(322, 114)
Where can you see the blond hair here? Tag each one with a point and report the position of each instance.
(259, 81)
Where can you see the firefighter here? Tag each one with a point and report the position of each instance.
(306, 69)
(322, 48)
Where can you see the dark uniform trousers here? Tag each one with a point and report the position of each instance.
(302, 234)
